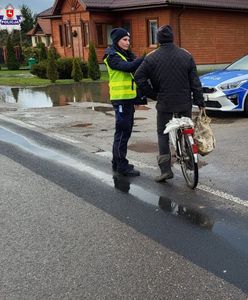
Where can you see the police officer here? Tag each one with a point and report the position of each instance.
(121, 63)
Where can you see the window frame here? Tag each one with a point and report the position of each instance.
(148, 22)
(85, 33)
(61, 35)
(68, 34)
(104, 32)
(131, 26)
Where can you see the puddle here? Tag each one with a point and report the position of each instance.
(82, 125)
(144, 147)
(189, 214)
(55, 95)
(104, 109)
(139, 119)
(142, 107)
(227, 231)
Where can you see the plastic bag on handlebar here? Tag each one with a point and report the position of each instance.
(174, 124)
(204, 136)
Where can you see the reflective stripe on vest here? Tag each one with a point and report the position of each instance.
(121, 84)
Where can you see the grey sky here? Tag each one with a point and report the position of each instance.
(36, 6)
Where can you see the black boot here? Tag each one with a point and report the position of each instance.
(164, 162)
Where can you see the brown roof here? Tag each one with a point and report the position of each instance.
(43, 25)
(235, 4)
(46, 13)
(121, 4)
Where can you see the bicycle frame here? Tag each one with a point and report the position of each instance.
(181, 134)
(189, 131)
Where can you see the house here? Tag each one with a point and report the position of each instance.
(41, 33)
(214, 31)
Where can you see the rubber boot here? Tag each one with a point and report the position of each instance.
(164, 162)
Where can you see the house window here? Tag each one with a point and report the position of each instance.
(103, 34)
(61, 36)
(67, 35)
(48, 41)
(109, 29)
(152, 32)
(86, 34)
(127, 25)
(100, 34)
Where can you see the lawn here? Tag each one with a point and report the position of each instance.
(25, 78)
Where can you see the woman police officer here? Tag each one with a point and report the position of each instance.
(121, 63)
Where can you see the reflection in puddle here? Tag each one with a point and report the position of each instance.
(192, 215)
(55, 95)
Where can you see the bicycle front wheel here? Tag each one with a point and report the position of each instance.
(188, 165)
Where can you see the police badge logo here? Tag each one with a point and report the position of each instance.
(10, 18)
(9, 11)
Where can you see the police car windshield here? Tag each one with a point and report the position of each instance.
(241, 64)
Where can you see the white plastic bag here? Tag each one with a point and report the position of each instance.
(174, 124)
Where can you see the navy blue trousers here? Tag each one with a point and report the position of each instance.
(124, 116)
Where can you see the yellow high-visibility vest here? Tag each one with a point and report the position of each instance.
(121, 84)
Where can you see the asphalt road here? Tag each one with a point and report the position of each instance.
(70, 229)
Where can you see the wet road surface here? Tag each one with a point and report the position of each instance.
(204, 231)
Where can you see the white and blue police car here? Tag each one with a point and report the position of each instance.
(227, 89)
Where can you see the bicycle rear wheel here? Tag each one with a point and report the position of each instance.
(187, 161)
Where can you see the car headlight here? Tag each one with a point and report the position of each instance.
(232, 85)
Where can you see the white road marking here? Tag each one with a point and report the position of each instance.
(62, 137)
(223, 195)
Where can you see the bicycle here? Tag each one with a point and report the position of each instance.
(181, 133)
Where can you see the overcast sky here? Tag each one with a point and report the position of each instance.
(36, 6)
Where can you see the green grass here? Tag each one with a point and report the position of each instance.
(25, 78)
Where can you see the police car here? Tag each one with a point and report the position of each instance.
(227, 90)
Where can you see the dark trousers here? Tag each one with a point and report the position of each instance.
(163, 139)
(124, 116)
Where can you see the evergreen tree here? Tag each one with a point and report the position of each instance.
(94, 69)
(52, 69)
(12, 63)
(76, 73)
(27, 24)
(42, 51)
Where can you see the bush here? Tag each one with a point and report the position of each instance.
(85, 69)
(40, 69)
(12, 63)
(52, 72)
(42, 51)
(29, 52)
(76, 73)
(94, 69)
(64, 67)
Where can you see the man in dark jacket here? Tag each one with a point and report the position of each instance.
(169, 76)
(121, 64)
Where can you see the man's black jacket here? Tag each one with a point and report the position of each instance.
(169, 76)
